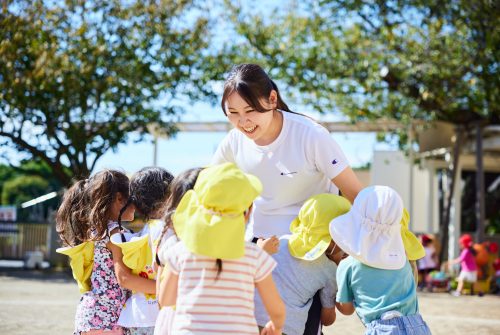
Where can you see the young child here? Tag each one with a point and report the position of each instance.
(86, 218)
(179, 186)
(468, 266)
(427, 264)
(377, 280)
(307, 263)
(212, 272)
(149, 190)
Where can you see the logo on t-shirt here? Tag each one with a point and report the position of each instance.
(334, 161)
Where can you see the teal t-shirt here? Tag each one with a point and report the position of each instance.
(375, 291)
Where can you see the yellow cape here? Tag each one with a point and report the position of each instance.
(82, 262)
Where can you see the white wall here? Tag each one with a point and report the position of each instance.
(392, 168)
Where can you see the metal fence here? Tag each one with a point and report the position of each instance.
(18, 238)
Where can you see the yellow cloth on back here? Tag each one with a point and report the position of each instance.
(136, 251)
(81, 262)
(413, 247)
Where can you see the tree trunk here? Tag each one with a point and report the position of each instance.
(445, 222)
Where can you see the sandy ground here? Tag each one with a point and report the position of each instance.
(34, 303)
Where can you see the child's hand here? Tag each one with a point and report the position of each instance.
(270, 329)
(270, 245)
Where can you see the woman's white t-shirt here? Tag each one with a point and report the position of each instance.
(299, 164)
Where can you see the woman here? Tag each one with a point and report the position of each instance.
(293, 156)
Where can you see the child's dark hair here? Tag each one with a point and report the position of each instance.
(102, 189)
(182, 183)
(149, 190)
(252, 83)
(72, 223)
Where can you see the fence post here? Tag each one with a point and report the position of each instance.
(53, 242)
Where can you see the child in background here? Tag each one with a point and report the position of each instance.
(468, 266)
(496, 281)
(149, 190)
(212, 272)
(428, 263)
(307, 263)
(179, 186)
(377, 280)
(85, 220)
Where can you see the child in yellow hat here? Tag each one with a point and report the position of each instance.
(212, 272)
(307, 263)
(86, 218)
(149, 191)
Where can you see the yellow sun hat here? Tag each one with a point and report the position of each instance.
(310, 229)
(209, 219)
(136, 251)
(413, 247)
(81, 262)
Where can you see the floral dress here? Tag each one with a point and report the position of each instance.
(100, 307)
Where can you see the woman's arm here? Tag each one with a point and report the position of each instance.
(125, 277)
(167, 294)
(348, 184)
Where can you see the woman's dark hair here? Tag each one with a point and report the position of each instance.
(102, 190)
(182, 183)
(252, 83)
(149, 191)
(72, 223)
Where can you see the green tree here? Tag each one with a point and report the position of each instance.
(77, 76)
(408, 59)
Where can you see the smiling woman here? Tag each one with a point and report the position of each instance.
(293, 156)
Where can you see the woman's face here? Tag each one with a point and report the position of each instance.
(257, 126)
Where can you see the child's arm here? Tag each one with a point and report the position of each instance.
(167, 294)
(124, 275)
(269, 245)
(414, 270)
(273, 304)
(328, 316)
(159, 271)
(346, 308)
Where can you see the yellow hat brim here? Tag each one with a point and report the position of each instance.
(81, 263)
(207, 234)
(136, 251)
(413, 247)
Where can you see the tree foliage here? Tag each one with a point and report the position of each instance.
(77, 76)
(404, 59)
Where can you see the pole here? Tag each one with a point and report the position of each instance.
(479, 184)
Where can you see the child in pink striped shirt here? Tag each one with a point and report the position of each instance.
(211, 274)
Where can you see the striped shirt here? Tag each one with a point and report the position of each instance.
(206, 305)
